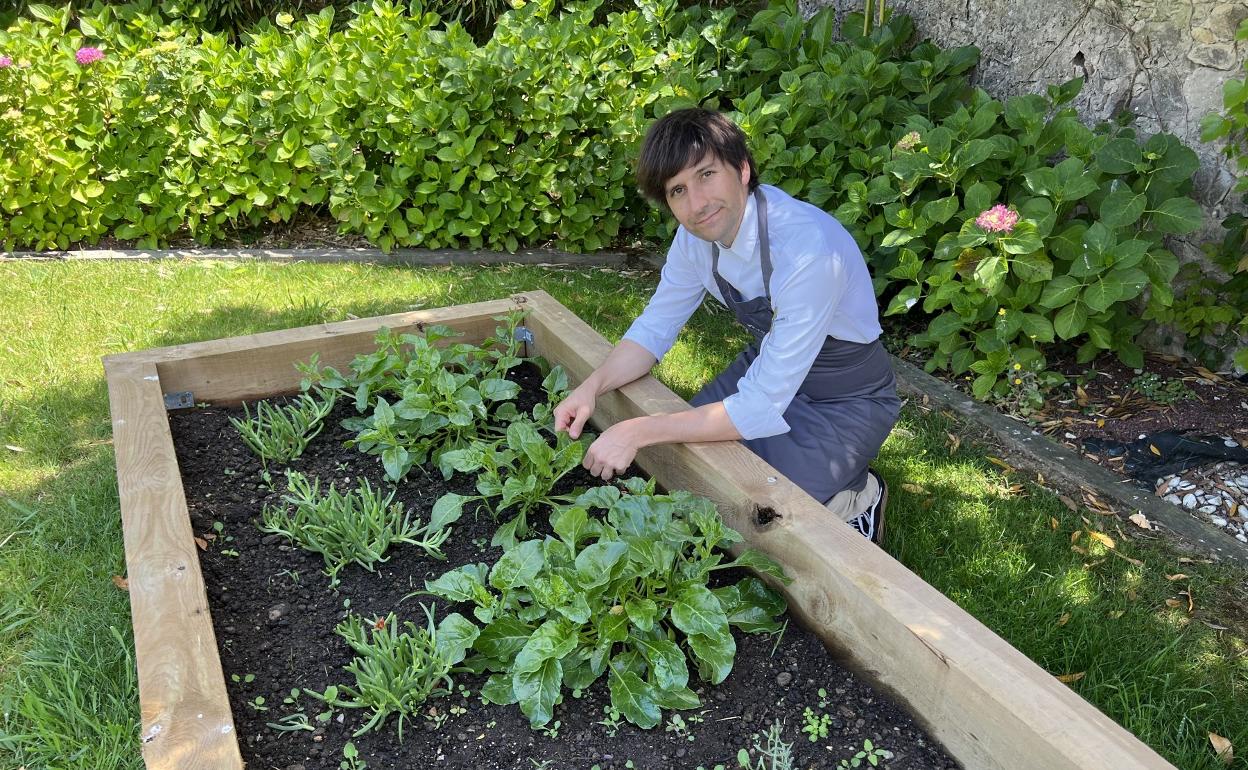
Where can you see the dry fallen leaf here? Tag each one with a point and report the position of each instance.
(1081, 395)
(1002, 463)
(1066, 501)
(1068, 678)
(1079, 550)
(12, 448)
(914, 489)
(954, 443)
(1074, 536)
(1140, 520)
(1191, 605)
(1222, 747)
(1053, 523)
(1117, 614)
(1154, 450)
(1102, 538)
(1136, 562)
(1208, 375)
(1064, 619)
(1215, 626)
(1100, 423)
(121, 582)
(1176, 576)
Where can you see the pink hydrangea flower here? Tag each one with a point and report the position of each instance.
(998, 219)
(89, 55)
(5, 62)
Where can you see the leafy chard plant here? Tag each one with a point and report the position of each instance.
(356, 527)
(625, 596)
(397, 671)
(419, 398)
(281, 433)
(520, 471)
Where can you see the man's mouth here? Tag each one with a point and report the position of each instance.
(709, 217)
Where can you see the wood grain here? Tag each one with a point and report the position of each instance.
(186, 719)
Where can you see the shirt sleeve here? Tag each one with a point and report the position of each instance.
(804, 302)
(679, 293)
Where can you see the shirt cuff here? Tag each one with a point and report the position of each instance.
(752, 419)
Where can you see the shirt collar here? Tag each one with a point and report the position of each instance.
(746, 242)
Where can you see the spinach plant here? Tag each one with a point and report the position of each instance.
(625, 595)
(396, 671)
(418, 398)
(357, 527)
(519, 471)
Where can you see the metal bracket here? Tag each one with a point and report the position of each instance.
(525, 335)
(180, 399)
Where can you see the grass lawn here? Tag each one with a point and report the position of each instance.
(993, 540)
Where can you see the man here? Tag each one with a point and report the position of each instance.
(814, 394)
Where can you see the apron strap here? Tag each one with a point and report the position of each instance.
(764, 248)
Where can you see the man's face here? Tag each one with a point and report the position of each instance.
(708, 197)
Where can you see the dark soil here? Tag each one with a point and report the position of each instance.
(274, 618)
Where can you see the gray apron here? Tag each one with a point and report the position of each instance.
(843, 410)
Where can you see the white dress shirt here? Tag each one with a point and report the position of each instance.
(820, 288)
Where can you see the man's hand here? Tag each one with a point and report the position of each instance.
(574, 410)
(613, 451)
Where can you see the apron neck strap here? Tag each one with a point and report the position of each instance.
(764, 247)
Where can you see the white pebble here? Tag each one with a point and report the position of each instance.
(1231, 443)
(1221, 522)
(1185, 485)
(1173, 499)
(1241, 537)
(1189, 500)
(1070, 436)
(1211, 509)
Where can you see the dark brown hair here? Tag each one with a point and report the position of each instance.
(684, 137)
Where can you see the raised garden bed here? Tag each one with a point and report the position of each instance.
(985, 702)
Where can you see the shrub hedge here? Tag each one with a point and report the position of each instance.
(1010, 226)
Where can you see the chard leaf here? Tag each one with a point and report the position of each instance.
(697, 611)
(598, 497)
(714, 655)
(551, 590)
(642, 612)
(503, 638)
(465, 584)
(537, 691)
(594, 563)
(578, 675)
(447, 510)
(455, 635)
(498, 690)
(667, 663)
(761, 563)
(495, 389)
(505, 535)
(636, 486)
(577, 610)
(553, 639)
(638, 516)
(632, 697)
(682, 698)
(569, 524)
(518, 566)
(613, 626)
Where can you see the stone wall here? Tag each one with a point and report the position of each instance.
(1165, 60)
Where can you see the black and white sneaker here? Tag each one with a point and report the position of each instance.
(870, 523)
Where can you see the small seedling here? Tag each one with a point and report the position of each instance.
(551, 729)
(870, 753)
(676, 724)
(351, 758)
(257, 703)
(281, 433)
(823, 698)
(292, 723)
(815, 725)
(244, 679)
(611, 720)
(775, 755)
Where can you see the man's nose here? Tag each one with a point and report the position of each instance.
(697, 198)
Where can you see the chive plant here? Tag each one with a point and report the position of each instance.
(358, 526)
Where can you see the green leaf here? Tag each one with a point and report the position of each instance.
(569, 523)
(1070, 321)
(761, 563)
(1131, 355)
(1121, 208)
(460, 585)
(714, 654)
(697, 611)
(553, 639)
(498, 689)
(980, 196)
(1177, 216)
(1037, 327)
(634, 699)
(982, 385)
(455, 635)
(1102, 293)
(396, 462)
(517, 566)
(503, 638)
(945, 325)
(990, 272)
(447, 510)
(537, 691)
(595, 562)
(642, 612)
(1119, 156)
(667, 663)
(1023, 240)
(941, 210)
(1032, 268)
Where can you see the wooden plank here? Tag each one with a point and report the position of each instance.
(987, 703)
(186, 719)
(411, 257)
(235, 369)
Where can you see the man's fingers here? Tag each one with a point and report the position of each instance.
(578, 423)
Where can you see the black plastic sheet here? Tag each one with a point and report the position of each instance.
(1166, 453)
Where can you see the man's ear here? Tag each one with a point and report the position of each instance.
(745, 173)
